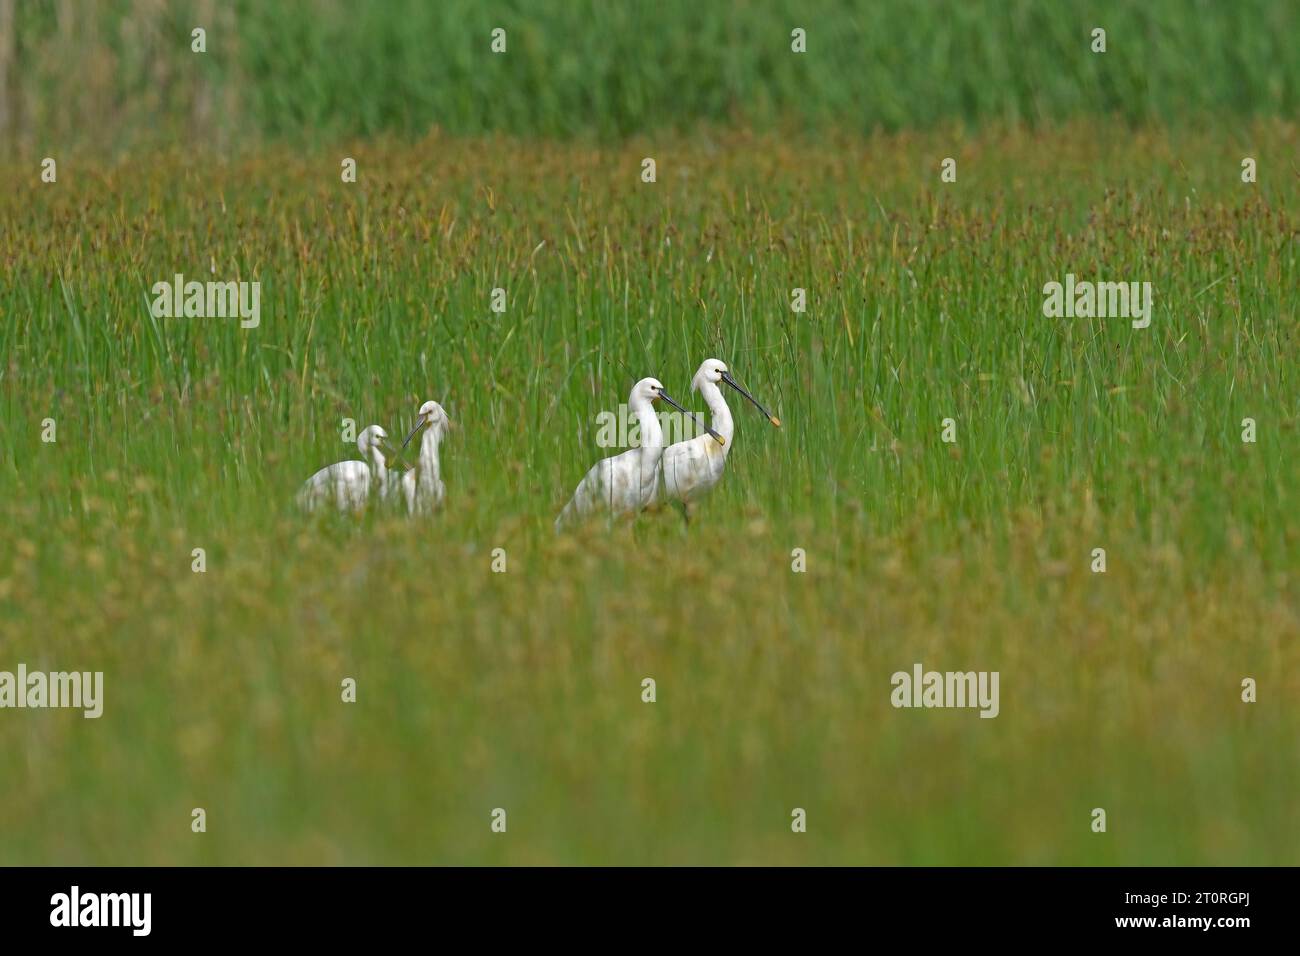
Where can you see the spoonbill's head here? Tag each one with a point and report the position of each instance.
(711, 370)
(650, 390)
(373, 442)
(715, 371)
(646, 392)
(431, 415)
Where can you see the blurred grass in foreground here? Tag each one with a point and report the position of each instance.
(522, 690)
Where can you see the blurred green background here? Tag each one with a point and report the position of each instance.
(112, 73)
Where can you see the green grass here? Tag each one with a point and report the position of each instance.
(108, 74)
(522, 690)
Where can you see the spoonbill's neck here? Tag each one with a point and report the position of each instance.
(429, 452)
(650, 459)
(652, 434)
(720, 413)
(379, 464)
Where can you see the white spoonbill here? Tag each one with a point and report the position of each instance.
(347, 485)
(422, 485)
(691, 468)
(624, 484)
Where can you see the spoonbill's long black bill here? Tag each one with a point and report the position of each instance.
(695, 418)
(726, 377)
(416, 430)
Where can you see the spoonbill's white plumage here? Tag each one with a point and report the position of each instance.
(692, 468)
(347, 485)
(422, 486)
(626, 483)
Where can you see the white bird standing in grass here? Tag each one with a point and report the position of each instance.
(347, 485)
(624, 484)
(691, 468)
(422, 486)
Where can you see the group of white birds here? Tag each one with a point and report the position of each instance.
(622, 484)
(350, 485)
(683, 472)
